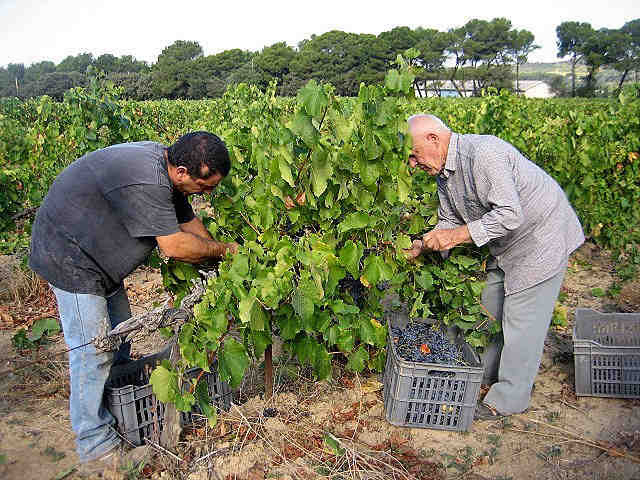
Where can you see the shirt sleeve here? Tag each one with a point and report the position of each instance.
(496, 189)
(145, 210)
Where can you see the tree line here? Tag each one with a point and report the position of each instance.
(481, 53)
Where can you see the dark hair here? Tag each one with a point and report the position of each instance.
(197, 149)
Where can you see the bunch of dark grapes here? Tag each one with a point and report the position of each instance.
(292, 231)
(354, 288)
(409, 345)
(382, 286)
(296, 236)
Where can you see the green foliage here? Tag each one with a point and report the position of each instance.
(20, 341)
(321, 198)
(40, 332)
(559, 317)
(333, 444)
(164, 382)
(43, 328)
(322, 203)
(40, 137)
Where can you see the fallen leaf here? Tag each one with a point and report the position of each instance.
(396, 439)
(6, 318)
(371, 386)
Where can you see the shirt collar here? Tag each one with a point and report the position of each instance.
(452, 153)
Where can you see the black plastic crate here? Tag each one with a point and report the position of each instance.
(430, 395)
(606, 353)
(130, 399)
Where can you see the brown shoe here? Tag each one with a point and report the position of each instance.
(97, 468)
(486, 412)
(133, 457)
(109, 465)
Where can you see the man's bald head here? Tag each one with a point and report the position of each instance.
(430, 137)
(423, 123)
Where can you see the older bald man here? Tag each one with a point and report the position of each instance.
(490, 194)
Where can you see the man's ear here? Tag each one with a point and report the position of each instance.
(181, 170)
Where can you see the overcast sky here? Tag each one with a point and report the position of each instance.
(36, 30)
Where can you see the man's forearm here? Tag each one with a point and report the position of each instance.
(462, 234)
(192, 248)
(446, 239)
(196, 227)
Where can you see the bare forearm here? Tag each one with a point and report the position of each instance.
(192, 248)
(446, 239)
(196, 227)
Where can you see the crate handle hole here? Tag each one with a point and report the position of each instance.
(440, 373)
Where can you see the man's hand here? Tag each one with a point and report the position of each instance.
(415, 250)
(231, 247)
(440, 240)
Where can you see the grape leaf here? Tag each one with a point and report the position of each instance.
(233, 361)
(358, 359)
(353, 221)
(204, 402)
(302, 303)
(313, 98)
(302, 126)
(164, 383)
(321, 171)
(349, 257)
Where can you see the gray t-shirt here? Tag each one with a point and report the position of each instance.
(100, 217)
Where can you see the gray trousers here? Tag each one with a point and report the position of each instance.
(514, 360)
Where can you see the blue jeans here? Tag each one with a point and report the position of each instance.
(83, 317)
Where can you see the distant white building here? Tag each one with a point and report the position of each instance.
(446, 88)
(534, 89)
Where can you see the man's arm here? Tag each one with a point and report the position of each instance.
(196, 227)
(496, 186)
(193, 244)
(446, 239)
(449, 231)
(191, 248)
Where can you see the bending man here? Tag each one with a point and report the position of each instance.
(491, 194)
(101, 219)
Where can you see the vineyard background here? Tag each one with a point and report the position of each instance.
(323, 192)
(587, 145)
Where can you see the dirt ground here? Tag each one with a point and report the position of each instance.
(335, 429)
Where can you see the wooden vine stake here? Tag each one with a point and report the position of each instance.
(268, 374)
(268, 370)
(171, 430)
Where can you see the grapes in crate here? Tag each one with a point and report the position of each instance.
(419, 342)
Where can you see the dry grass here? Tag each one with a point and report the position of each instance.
(629, 298)
(43, 379)
(24, 296)
(17, 284)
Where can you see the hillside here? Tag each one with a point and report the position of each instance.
(537, 71)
